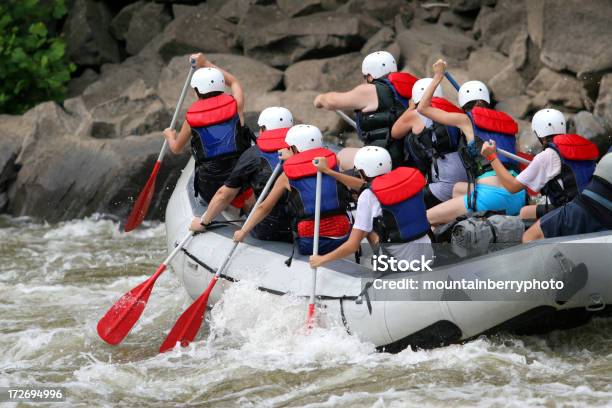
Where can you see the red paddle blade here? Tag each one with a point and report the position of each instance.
(187, 326)
(310, 316)
(123, 315)
(142, 203)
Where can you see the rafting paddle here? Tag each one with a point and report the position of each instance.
(509, 155)
(188, 324)
(315, 252)
(121, 317)
(142, 203)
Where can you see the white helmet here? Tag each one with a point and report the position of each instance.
(604, 168)
(206, 80)
(304, 137)
(547, 122)
(378, 64)
(373, 161)
(275, 117)
(419, 87)
(473, 91)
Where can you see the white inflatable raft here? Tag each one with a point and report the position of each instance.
(394, 320)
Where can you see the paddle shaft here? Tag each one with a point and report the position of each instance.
(509, 155)
(315, 246)
(179, 103)
(347, 119)
(261, 197)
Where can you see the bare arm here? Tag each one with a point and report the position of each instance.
(177, 142)
(404, 124)
(354, 183)
(262, 210)
(459, 120)
(348, 248)
(505, 178)
(220, 201)
(362, 97)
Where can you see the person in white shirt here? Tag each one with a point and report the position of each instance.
(398, 224)
(546, 172)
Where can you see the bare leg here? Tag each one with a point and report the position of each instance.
(533, 233)
(446, 211)
(460, 188)
(346, 157)
(528, 212)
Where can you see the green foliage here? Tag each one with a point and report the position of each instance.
(33, 67)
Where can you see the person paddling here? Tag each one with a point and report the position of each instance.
(378, 103)
(561, 170)
(478, 123)
(297, 185)
(214, 126)
(589, 211)
(390, 204)
(431, 146)
(253, 169)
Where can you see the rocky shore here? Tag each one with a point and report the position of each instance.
(94, 151)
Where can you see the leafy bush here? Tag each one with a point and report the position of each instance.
(33, 67)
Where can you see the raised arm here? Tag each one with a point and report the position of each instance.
(362, 97)
(354, 183)
(459, 120)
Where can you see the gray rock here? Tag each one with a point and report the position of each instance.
(287, 41)
(379, 41)
(294, 8)
(330, 74)
(115, 78)
(498, 27)
(518, 50)
(12, 131)
(87, 33)
(382, 10)
(516, 106)
(603, 107)
(77, 85)
(121, 22)
(234, 10)
(146, 22)
(470, 5)
(450, 19)
(255, 77)
(587, 125)
(423, 43)
(573, 36)
(484, 63)
(193, 31)
(300, 103)
(507, 83)
(549, 87)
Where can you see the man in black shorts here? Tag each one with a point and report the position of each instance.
(251, 172)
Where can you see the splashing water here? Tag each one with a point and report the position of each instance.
(57, 280)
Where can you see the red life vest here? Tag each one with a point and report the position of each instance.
(403, 83)
(214, 126)
(494, 125)
(578, 160)
(302, 177)
(445, 105)
(270, 142)
(404, 216)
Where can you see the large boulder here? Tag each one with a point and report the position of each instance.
(603, 107)
(498, 26)
(463, 6)
(12, 131)
(379, 41)
(329, 74)
(146, 22)
(87, 33)
(485, 63)
(549, 87)
(77, 85)
(516, 106)
(294, 8)
(300, 103)
(383, 10)
(507, 83)
(196, 30)
(588, 125)
(255, 77)
(284, 42)
(573, 36)
(421, 45)
(115, 78)
(459, 20)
